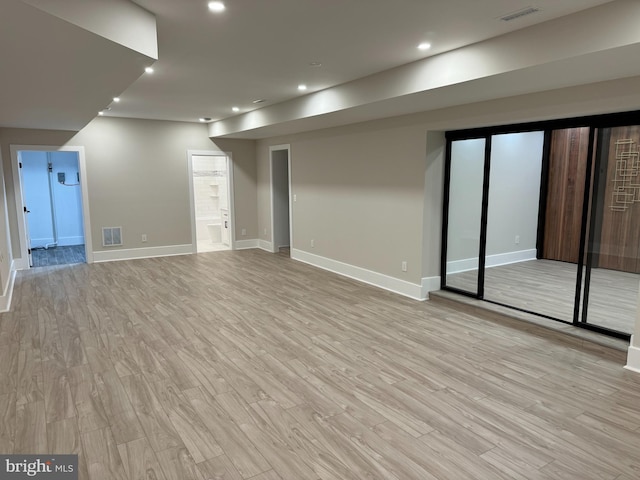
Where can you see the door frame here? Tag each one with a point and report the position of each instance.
(22, 263)
(272, 150)
(230, 191)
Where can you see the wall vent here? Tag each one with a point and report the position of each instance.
(111, 236)
(519, 13)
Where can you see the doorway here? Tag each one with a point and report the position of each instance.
(211, 201)
(51, 205)
(280, 164)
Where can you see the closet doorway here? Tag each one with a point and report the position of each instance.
(51, 205)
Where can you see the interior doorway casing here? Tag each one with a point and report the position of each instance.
(273, 163)
(229, 157)
(22, 263)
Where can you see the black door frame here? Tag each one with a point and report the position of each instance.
(595, 124)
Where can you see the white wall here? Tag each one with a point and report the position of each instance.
(137, 175)
(67, 199)
(362, 188)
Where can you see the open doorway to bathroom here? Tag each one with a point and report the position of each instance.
(50, 202)
(211, 201)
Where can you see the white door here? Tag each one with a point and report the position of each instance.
(25, 212)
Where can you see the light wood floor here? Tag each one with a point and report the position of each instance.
(248, 365)
(548, 287)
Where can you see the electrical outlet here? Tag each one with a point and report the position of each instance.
(404, 266)
(517, 240)
(313, 243)
(144, 237)
(244, 232)
(295, 197)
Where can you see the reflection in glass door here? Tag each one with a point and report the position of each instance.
(517, 273)
(613, 250)
(464, 217)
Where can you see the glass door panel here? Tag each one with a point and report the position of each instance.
(613, 249)
(464, 214)
(534, 220)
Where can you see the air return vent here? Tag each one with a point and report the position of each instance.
(111, 236)
(519, 13)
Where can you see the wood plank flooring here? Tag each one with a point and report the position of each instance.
(250, 366)
(548, 287)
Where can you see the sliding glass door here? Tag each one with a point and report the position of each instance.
(466, 174)
(547, 220)
(613, 248)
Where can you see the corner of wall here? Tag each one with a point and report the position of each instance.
(7, 294)
(633, 357)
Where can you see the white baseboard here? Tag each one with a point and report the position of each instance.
(429, 284)
(633, 358)
(136, 253)
(20, 264)
(376, 279)
(246, 244)
(7, 295)
(466, 264)
(265, 245)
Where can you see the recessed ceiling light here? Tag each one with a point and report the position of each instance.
(235, 109)
(315, 64)
(148, 70)
(302, 87)
(205, 119)
(217, 7)
(260, 100)
(116, 99)
(101, 113)
(424, 46)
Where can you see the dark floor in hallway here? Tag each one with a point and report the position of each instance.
(58, 256)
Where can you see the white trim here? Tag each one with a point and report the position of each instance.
(114, 255)
(466, 264)
(376, 279)
(265, 245)
(429, 284)
(246, 244)
(20, 264)
(17, 189)
(633, 358)
(278, 148)
(230, 193)
(5, 299)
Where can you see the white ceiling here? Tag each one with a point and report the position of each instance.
(209, 63)
(57, 75)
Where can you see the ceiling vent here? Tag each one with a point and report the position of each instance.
(519, 14)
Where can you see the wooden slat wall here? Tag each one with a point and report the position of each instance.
(620, 236)
(567, 170)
